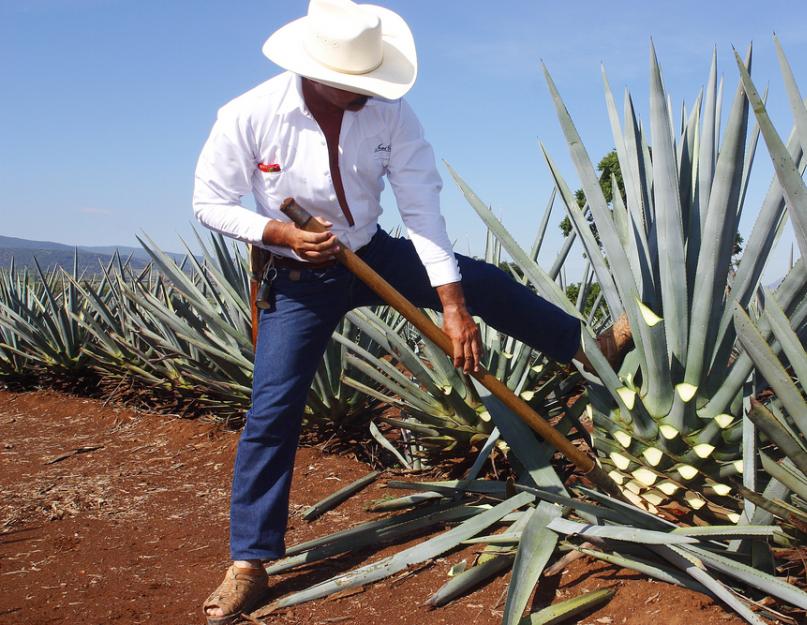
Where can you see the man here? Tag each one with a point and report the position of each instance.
(325, 133)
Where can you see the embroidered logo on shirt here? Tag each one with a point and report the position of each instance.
(269, 168)
(383, 148)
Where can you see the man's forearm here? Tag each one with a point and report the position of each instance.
(451, 296)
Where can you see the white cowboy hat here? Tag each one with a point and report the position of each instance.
(361, 48)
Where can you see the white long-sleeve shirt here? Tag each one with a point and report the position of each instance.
(270, 126)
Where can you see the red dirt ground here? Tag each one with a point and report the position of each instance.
(136, 531)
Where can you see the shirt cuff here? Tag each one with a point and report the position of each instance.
(254, 225)
(443, 272)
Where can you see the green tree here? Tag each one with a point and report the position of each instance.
(572, 291)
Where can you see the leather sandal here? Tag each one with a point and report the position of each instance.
(241, 590)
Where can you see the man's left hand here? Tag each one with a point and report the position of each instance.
(460, 327)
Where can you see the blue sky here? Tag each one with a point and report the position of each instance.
(106, 103)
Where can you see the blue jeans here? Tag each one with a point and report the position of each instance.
(293, 335)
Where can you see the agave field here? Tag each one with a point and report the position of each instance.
(704, 425)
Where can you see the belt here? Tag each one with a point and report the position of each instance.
(290, 263)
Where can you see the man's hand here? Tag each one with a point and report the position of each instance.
(315, 247)
(460, 327)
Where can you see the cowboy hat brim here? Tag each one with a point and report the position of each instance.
(390, 80)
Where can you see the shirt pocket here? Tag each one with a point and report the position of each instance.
(271, 174)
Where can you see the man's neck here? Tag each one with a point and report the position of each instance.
(318, 105)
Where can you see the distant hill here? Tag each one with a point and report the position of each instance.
(50, 254)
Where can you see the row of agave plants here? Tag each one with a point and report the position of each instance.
(687, 425)
(177, 336)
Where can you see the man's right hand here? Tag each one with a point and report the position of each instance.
(315, 247)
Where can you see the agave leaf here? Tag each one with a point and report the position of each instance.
(646, 567)
(543, 283)
(793, 93)
(451, 487)
(534, 550)
(540, 235)
(382, 440)
(770, 367)
(531, 454)
(693, 567)
(372, 534)
(719, 232)
(786, 441)
(764, 233)
(483, 455)
(562, 611)
(753, 577)
(403, 559)
(583, 230)
(790, 296)
(717, 531)
(787, 475)
(669, 226)
(786, 170)
(335, 498)
(492, 561)
(625, 533)
(636, 515)
(644, 212)
(708, 142)
(791, 345)
(504, 538)
(596, 513)
(624, 278)
(470, 578)
(562, 255)
(638, 252)
(407, 501)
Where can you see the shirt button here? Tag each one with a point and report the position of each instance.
(332, 197)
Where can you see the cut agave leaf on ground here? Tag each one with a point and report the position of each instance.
(564, 610)
(534, 550)
(376, 525)
(728, 531)
(491, 562)
(373, 538)
(585, 510)
(646, 567)
(678, 557)
(485, 487)
(406, 558)
(398, 503)
(616, 532)
(752, 577)
(334, 499)
(637, 515)
(505, 538)
(470, 579)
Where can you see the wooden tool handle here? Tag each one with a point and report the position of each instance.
(583, 461)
